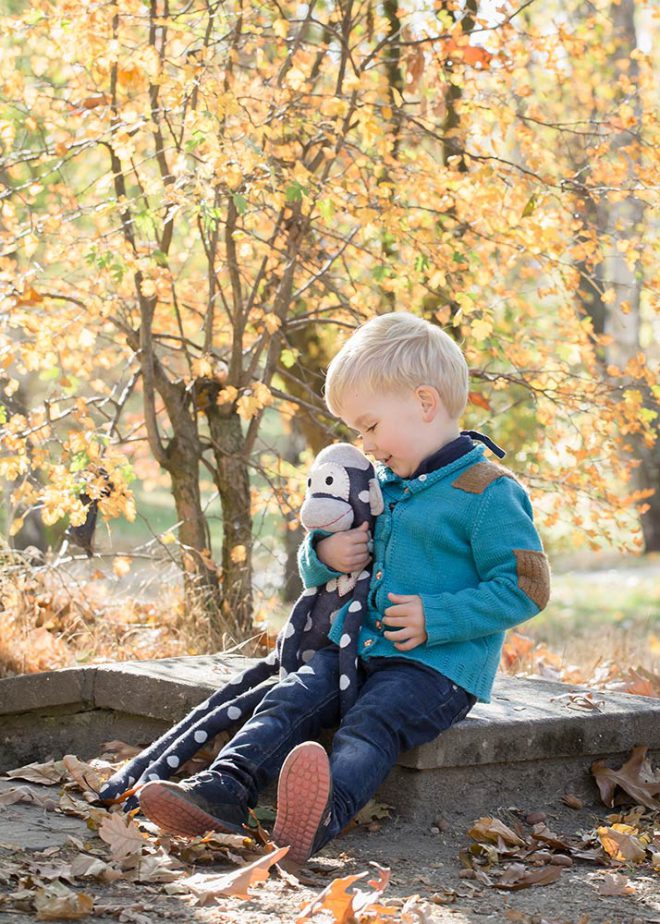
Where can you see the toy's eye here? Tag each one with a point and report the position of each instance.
(329, 479)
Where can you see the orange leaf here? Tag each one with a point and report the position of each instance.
(206, 888)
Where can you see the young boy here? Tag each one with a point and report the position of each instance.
(456, 562)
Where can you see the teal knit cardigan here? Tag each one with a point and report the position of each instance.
(463, 538)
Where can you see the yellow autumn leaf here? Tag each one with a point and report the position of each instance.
(121, 566)
(238, 554)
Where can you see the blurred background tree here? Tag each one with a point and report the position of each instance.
(200, 201)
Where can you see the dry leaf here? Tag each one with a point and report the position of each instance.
(335, 899)
(620, 843)
(25, 794)
(118, 750)
(86, 775)
(207, 887)
(636, 777)
(542, 833)
(151, 868)
(84, 865)
(572, 801)
(122, 834)
(516, 877)
(615, 884)
(372, 811)
(57, 901)
(48, 773)
(492, 829)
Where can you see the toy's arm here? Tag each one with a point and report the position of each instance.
(313, 573)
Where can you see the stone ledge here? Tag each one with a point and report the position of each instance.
(528, 720)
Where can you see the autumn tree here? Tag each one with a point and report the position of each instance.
(200, 201)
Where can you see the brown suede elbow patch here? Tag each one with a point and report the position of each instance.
(533, 575)
(476, 479)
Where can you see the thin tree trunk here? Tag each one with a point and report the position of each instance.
(233, 484)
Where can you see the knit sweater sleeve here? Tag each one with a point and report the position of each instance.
(313, 573)
(514, 577)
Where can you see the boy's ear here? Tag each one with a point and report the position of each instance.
(429, 399)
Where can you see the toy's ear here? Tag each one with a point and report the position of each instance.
(376, 501)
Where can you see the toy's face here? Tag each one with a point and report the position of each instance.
(327, 501)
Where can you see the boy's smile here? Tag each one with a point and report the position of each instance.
(399, 429)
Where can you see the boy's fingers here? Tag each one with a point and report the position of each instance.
(400, 609)
(402, 597)
(406, 646)
(395, 621)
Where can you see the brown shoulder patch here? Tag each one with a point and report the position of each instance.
(476, 479)
(533, 575)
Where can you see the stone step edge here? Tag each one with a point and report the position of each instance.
(495, 733)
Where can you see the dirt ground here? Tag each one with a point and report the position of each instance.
(38, 843)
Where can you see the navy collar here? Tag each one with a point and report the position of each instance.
(454, 450)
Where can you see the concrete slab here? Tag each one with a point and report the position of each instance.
(539, 719)
(536, 733)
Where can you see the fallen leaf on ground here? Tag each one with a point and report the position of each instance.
(517, 877)
(122, 834)
(492, 829)
(335, 899)
(57, 901)
(636, 777)
(84, 774)
(48, 773)
(84, 865)
(25, 794)
(542, 833)
(620, 843)
(207, 887)
(158, 867)
(616, 884)
(372, 811)
(118, 750)
(572, 801)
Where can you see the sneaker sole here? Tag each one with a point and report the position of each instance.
(302, 797)
(176, 814)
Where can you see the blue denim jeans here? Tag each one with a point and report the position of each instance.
(400, 704)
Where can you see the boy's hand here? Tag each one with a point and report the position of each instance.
(408, 618)
(346, 551)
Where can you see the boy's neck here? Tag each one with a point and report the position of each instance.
(448, 436)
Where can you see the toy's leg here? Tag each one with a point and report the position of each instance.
(185, 738)
(294, 710)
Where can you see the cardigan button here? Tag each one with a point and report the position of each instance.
(368, 643)
(379, 624)
(379, 575)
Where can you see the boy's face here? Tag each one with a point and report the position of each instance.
(391, 425)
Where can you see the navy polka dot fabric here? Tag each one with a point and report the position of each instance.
(342, 493)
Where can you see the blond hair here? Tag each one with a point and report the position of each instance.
(395, 352)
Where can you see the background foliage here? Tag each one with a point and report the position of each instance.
(200, 201)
